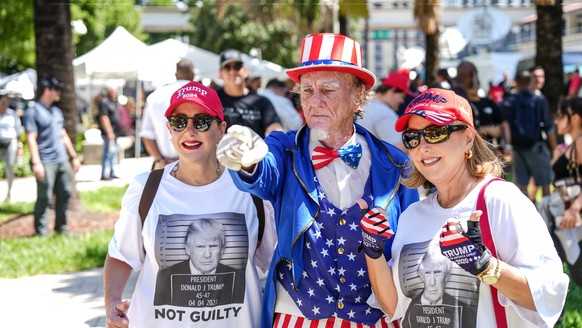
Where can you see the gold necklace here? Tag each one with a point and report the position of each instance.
(174, 171)
(218, 170)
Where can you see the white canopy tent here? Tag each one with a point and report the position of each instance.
(265, 69)
(207, 63)
(120, 56)
(21, 83)
(170, 51)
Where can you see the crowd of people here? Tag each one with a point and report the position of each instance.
(317, 182)
(354, 245)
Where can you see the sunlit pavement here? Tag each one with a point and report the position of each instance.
(88, 178)
(64, 300)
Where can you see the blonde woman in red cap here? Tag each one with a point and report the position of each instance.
(314, 178)
(207, 281)
(475, 253)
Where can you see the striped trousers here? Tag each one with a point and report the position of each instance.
(283, 320)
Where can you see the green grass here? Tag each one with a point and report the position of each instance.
(10, 210)
(572, 310)
(103, 200)
(39, 255)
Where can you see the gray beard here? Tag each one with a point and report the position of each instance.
(319, 134)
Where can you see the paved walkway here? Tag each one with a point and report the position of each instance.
(65, 300)
(88, 178)
(72, 300)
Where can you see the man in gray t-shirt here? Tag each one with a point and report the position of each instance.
(50, 153)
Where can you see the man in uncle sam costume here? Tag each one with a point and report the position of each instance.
(319, 179)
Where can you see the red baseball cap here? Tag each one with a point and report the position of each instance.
(439, 106)
(400, 81)
(197, 93)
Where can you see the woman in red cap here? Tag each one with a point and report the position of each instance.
(504, 271)
(206, 282)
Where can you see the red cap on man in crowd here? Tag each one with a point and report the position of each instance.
(400, 81)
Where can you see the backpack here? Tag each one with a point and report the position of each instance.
(525, 121)
(151, 187)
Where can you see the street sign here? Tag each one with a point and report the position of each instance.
(381, 34)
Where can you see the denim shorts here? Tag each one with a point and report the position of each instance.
(534, 162)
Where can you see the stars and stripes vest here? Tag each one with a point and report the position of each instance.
(335, 279)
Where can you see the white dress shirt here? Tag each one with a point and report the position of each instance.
(342, 184)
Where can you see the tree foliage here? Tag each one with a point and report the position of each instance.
(16, 36)
(17, 42)
(54, 53)
(217, 28)
(102, 18)
(273, 26)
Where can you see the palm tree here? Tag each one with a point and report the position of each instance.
(549, 31)
(427, 14)
(54, 53)
(54, 57)
(351, 9)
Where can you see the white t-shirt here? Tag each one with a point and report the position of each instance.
(380, 119)
(10, 126)
(289, 116)
(188, 300)
(521, 239)
(154, 121)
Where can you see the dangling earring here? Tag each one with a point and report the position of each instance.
(218, 170)
(468, 154)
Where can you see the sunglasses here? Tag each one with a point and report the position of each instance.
(201, 122)
(235, 66)
(433, 134)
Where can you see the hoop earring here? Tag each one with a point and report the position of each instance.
(468, 154)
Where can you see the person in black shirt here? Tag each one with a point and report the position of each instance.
(241, 106)
(110, 130)
(490, 117)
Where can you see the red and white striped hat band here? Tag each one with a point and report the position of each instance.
(331, 52)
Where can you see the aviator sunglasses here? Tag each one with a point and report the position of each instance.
(201, 122)
(236, 66)
(433, 134)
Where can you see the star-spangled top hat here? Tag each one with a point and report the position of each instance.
(331, 52)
